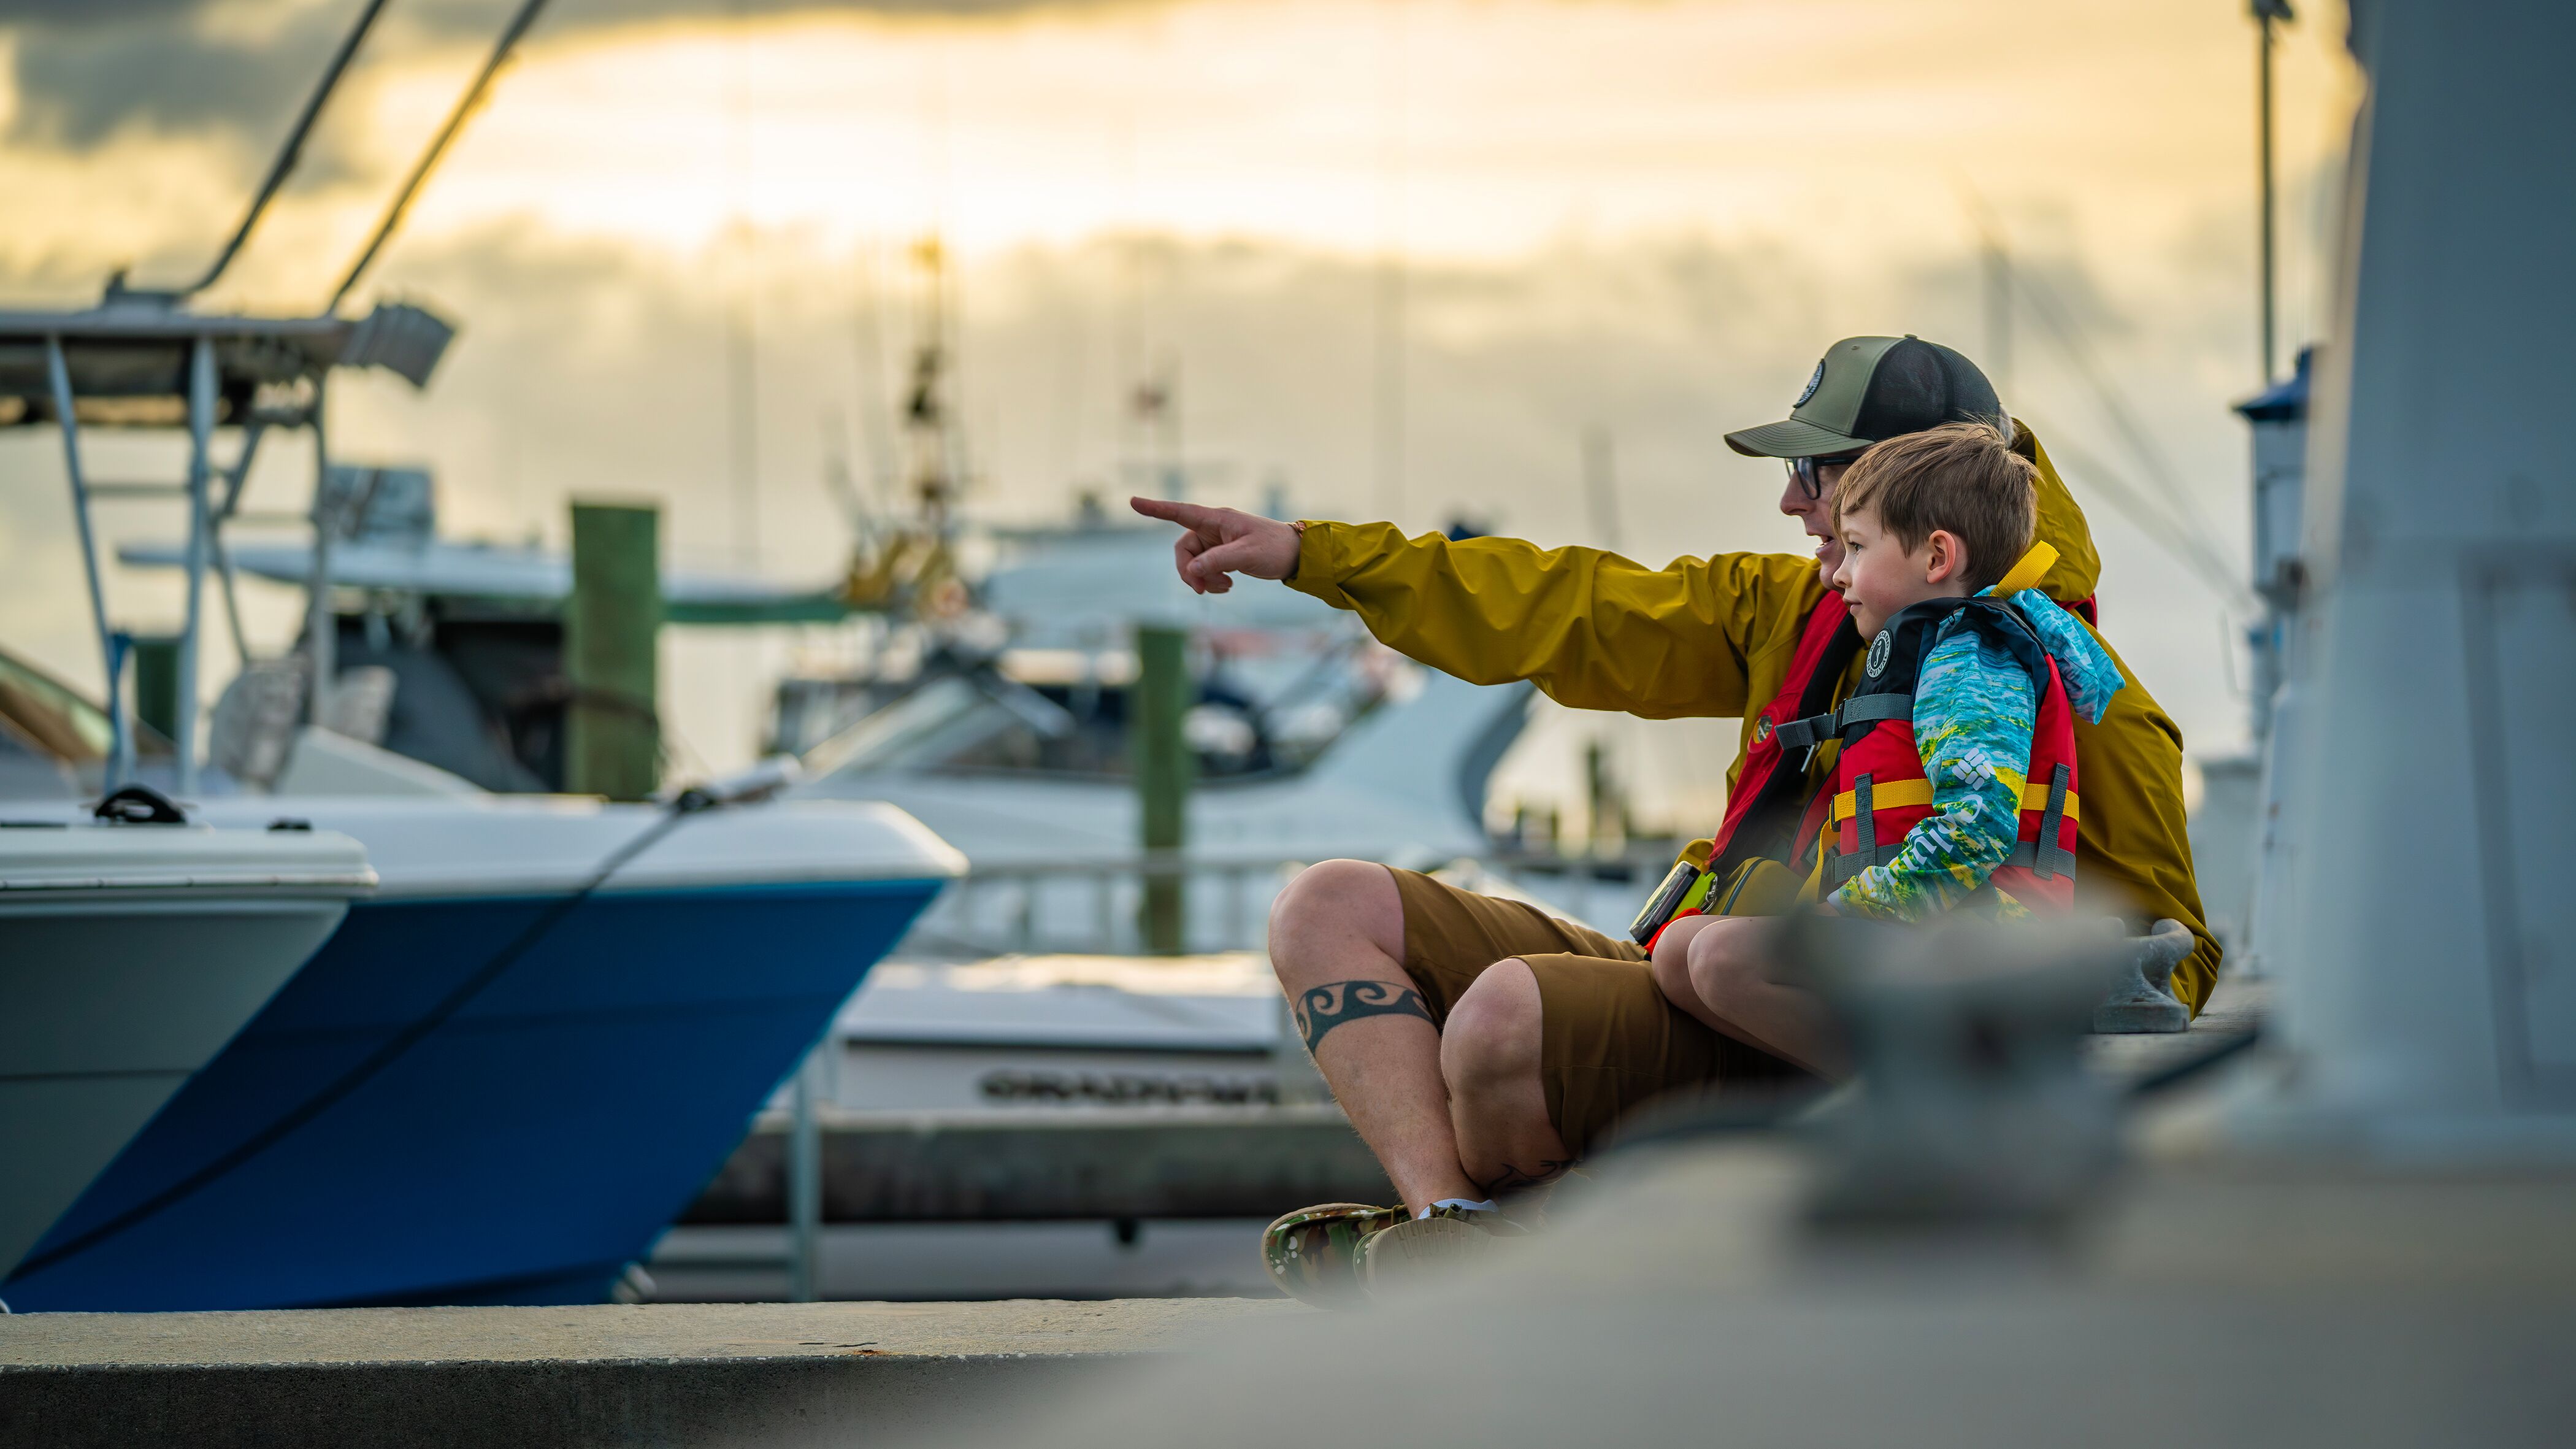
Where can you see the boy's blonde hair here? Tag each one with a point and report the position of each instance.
(1964, 478)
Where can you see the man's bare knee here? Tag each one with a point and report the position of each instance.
(1673, 974)
(1722, 966)
(1671, 957)
(1333, 908)
(1493, 1032)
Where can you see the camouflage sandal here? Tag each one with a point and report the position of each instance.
(1420, 1250)
(1313, 1253)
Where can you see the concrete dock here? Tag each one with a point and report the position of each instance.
(779, 1375)
(783, 1375)
(1038, 1164)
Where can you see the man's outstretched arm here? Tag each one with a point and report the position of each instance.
(1593, 629)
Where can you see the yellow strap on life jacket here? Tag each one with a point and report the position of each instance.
(2026, 574)
(1884, 795)
(1899, 794)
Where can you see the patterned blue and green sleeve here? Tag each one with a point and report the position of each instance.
(1974, 706)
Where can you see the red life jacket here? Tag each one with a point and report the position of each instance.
(1770, 815)
(1764, 810)
(1880, 791)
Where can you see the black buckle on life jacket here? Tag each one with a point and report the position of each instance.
(1809, 734)
(1806, 734)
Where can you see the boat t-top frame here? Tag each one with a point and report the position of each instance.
(138, 362)
(140, 358)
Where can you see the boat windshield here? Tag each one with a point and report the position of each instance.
(924, 726)
(51, 717)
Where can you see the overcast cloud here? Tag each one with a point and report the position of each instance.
(85, 68)
(1584, 216)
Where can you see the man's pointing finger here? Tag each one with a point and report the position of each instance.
(1187, 515)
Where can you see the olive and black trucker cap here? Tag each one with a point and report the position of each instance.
(1870, 389)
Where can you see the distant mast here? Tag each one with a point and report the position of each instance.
(931, 462)
(2266, 14)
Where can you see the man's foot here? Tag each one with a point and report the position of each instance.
(1417, 1250)
(1313, 1254)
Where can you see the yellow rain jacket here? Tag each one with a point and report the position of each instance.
(1712, 637)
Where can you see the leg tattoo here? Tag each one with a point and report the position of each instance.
(1335, 1002)
(1513, 1179)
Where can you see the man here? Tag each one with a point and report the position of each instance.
(1481, 1046)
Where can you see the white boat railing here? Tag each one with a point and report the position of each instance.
(1091, 906)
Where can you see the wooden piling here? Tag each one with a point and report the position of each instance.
(156, 682)
(612, 628)
(1164, 766)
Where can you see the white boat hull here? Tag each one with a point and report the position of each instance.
(113, 991)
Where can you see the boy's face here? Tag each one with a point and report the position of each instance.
(1878, 576)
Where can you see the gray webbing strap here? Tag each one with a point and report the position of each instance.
(1871, 708)
(2053, 859)
(1866, 853)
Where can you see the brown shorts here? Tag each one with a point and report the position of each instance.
(1607, 1038)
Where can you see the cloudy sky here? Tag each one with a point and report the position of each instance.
(1400, 256)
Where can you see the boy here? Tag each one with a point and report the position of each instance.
(1925, 519)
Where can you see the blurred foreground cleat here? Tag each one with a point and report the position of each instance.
(2144, 1000)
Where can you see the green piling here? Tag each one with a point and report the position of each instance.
(1164, 765)
(156, 682)
(612, 625)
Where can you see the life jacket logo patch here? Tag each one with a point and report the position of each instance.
(1815, 380)
(1761, 729)
(1879, 649)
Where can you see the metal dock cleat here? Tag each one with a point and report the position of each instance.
(2144, 1002)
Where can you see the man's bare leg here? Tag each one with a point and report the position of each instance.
(1337, 942)
(1722, 974)
(1497, 1101)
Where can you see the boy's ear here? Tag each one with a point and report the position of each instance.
(1949, 557)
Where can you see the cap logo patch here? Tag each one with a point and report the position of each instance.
(1815, 380)
(1879, 649)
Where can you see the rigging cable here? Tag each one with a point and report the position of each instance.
(288, 154)
(465, 105)
(2192, 552)
(2070, 340)
(2175, 520)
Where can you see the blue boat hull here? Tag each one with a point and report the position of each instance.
(524, 1151)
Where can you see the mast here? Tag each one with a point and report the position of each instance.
(927, 427)
(2266, 13)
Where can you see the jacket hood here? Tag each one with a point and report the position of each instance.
(2062, 526)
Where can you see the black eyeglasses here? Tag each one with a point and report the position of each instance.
(1810, 472)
